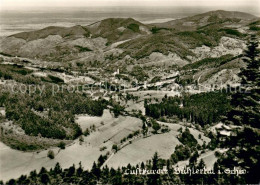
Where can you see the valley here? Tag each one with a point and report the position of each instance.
(115, 92)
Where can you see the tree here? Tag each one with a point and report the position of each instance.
(101, 160)
(51, 154)
(201, 164)
(96, 170)
(245, 102)
(117, 109)
(80, 169)
(194, 158)
(200, 177)
(22, 179)
(187, 138)
(144, 128)
(244, 144)
(43, 170)
(156, 126)
(57, 168)
(11, 182)
(33, 174)
(71, 171)
(142, 165)
(86, 132)
(114, 147)
(45, 179)
(61, 145)
(154, 178)
(155, 161)
(81, 140)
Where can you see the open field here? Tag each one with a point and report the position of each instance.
(109, 131)
(194, 132)
(85, 121)
(143, 150)
(131, 105)
(208, 157)
(15, 163)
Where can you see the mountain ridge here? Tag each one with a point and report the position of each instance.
(119, 22)
(192, 22)
(129, 37)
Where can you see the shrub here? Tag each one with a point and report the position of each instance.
(51, 154)
(187, 138)
(81, 139)
(181, 153)
(86, 132)
(103, 148)
(114, 147)
(61, 145)
(155, 126)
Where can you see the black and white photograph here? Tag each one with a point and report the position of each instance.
(129, 92)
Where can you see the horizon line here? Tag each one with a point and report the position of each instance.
(210, 8)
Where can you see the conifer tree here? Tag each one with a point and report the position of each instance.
(246, 101)
(244, 145)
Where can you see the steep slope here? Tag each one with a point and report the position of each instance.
(162, 43)
(213, 72)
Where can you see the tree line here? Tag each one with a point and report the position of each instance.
(203, 108)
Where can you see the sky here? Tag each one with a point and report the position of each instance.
(13, 4)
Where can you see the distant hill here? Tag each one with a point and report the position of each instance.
(114, 29)
(229, 14)
(128, 37)
(212, 17)
(179, 36)
(69, 32)
(118, 29)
